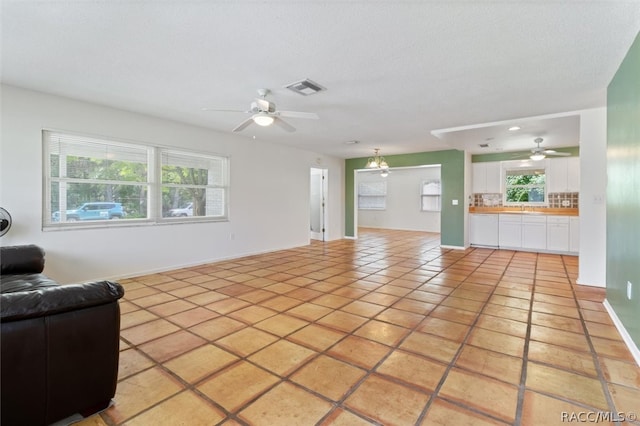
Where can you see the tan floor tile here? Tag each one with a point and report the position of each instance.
(387, 402)
(625, 399)
(233, 387)
(172, 307)
(285, 405)
(553, 309)
(443, 328)
(432, 346)
(281, 324)
(400, 317)
(148, 331)
(611, 348)
(493, 364)
(506, 312)
(364, 309)
(309, 311)
(225, 306)
(332, 301)
(134, 318)
(192, 317)
(557, 321)
(206, 298)
(169, 346)
(199, 363)
(187, 291)
(132, 361)
(621, 372)
(603, 330)
(328, 376)
(137, 293)
(172, 411)
(316, 337)
(393, 290)
(511, 302)
(342, 417)
(425, 296)
(443, 413)
(380, 298)
(342, 321)
(568, 385)
(556, 300)
(540, 409)
(596, 317)
(129, 401)
(497, 342)
(502, 325)
(361, 352)
(413, 370)
(246, 341)
(350, 292)
(415, 306)
(580, 362)
(559, 337)
(252, 314)
(217, 328)
(282, 357)
(453, 314)
(281, 303)
(482, 393)
(382, 332)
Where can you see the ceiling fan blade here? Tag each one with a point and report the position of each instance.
(283, 124)
(243, 125)
(555, 153)
(297, 114)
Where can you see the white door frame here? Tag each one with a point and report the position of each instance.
(321, 235)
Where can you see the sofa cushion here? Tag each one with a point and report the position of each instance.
(27, 259)
(49, 300)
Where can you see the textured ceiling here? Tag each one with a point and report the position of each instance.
(395, 70)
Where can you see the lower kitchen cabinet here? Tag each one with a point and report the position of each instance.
(534, 232)
(558, 233)
(510, 230)
(483, 230)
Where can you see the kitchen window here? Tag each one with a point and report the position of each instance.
(525, 186)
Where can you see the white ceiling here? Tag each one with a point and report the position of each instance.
(395, 70)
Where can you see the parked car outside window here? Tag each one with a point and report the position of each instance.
(93, 211)
(182, 211)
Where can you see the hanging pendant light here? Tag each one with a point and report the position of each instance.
(378, 162)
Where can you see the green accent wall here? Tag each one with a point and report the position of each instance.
(452, 180)
(507, 156)
(623, 191)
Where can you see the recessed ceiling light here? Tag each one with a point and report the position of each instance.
(514, 128)
(353, 142)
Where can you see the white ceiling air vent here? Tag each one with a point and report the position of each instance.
(305, 87)
(484, 145)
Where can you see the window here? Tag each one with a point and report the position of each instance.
(430, 194)
(372, 195)
(95, 181)
(525, 186)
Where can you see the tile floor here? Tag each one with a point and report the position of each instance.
(388, 329)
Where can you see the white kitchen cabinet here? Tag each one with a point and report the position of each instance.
(558, 233)
(486, 177)
(574, 234)
(563, 174)
(483, 229)
(534, 232)
(510, 230)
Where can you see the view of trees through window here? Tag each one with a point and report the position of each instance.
(525, 186)
(90, 179)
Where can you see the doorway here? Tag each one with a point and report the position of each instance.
(317, 203)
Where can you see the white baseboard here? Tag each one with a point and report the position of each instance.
(453, 247)
(580, 282)
(633, 348)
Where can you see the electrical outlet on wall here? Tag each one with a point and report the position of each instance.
(629, 289)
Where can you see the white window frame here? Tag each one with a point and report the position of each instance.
(524, 167)
(372, 195)
(153, 184)
(431, 189)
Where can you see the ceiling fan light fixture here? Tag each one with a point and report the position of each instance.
(263, 120)
(537, 157)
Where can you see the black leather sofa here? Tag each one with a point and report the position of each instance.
(59, 344)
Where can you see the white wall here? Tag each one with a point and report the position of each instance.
(593, 209)
(403, 200)
(269, 195)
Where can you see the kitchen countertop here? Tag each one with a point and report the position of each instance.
(527, 210)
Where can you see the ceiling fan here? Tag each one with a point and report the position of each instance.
(538, 153)
(264, 113)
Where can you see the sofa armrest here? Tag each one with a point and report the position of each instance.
(26, 259)
(57, 299)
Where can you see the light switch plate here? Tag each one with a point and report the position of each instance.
(454, 202)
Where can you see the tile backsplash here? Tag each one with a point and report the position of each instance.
(557, 200)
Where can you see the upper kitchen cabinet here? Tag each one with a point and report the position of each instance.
(564, 175)
(486, 177)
